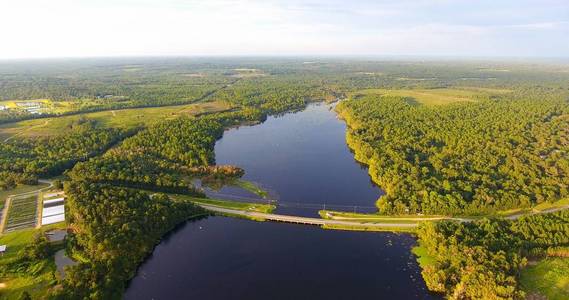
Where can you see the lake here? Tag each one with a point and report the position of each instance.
(303, 160)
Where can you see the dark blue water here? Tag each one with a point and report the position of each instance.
(225, 258)
(302, 158)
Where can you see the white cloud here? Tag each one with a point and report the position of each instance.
(42, 28)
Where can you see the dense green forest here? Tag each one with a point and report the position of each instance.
(483, 259)
(463, 158)
(23, 160)
(166, 156)
(114, 230)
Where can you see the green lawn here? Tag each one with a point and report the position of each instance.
(423, 257)
(349, 216)
(549, 277)
(251, 187)
(246, 206)
(363, 227)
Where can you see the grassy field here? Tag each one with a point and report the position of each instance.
(549, 277)
(538, 208)
(363, 227)
(422, 257)
(437, 96)
(349, 216)
(251, 187)
(256, 207)
(126, 118)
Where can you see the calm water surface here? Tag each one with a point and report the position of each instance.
(225, 258)
(303, 160)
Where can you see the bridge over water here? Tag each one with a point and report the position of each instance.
(306, 220)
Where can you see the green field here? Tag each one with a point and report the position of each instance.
(255, 207)
(363, 227)
(251, 187)
(549, 278)
(125, 118)
(349, 216)
(437, 96)
(423, 257)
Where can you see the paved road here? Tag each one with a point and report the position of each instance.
(320, 222)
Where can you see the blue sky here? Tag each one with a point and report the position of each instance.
(75, 28)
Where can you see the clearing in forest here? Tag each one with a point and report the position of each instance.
(438, 96)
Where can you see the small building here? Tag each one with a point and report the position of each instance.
(2, 249)
(3, 107)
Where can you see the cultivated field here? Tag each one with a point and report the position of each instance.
(22, 213)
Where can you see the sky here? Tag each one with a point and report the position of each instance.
(469, 28)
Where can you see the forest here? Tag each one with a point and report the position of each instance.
(483, 259)
(22, 161)
(114, 230)
(463, 158)
(165, 157)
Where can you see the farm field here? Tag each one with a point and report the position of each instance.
(20, 189)
(438, 96)
(22, 213)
